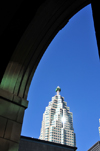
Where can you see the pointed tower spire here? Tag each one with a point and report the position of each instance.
(58, 89)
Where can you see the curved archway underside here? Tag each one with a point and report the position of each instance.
(50, 17)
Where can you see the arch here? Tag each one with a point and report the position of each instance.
(42, 29)
(43, 22)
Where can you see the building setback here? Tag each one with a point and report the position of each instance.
(95, 147)
(57, 123)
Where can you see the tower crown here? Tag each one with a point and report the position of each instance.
(57, 119)
(58, 89)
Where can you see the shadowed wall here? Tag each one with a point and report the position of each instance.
(31, 144)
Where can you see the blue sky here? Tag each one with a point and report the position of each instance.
(71, 61)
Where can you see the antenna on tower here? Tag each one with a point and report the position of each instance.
(99, 128)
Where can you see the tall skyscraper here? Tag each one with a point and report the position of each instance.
(57, 124)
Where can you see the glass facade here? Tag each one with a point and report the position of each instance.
(57, 123)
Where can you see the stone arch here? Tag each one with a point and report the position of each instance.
(33, 43)
(46, 21)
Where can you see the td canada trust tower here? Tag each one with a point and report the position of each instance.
(57, 123)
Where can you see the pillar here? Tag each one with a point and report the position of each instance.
(11, 117)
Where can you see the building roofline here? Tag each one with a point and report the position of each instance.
(47, 142)
(94, 145)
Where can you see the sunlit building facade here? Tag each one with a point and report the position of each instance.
(57, 123)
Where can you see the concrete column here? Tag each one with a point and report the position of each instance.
(11, 117)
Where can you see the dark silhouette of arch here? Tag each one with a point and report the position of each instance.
(26, 31)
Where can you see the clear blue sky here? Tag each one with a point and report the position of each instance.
(72, 62)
